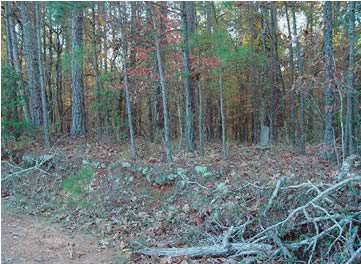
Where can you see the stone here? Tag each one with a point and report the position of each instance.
(264, 143)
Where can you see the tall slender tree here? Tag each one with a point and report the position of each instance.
(187, 81)
(292, 71)
(300, 81)
(17, 65)
(329, 83)
(350, 79)
(98, 118)
(125, 77)
(41, 75)
(163, 86)
(78, 123)
(31, 61)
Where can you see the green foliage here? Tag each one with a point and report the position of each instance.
(12, 127)
(78, 186)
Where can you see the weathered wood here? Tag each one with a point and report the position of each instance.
(346, 167)
(207, 251)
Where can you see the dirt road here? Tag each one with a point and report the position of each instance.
(27, 239)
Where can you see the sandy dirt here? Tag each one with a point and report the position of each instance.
(26, 239)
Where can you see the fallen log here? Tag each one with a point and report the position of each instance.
(208, 251)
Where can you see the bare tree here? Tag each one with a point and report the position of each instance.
(125, 71)
(163, 86)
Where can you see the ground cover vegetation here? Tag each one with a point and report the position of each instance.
(186, 132)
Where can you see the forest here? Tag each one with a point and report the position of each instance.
(181, 132)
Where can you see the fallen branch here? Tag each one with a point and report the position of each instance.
(346, 167)
(208, 251)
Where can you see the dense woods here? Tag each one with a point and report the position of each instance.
(181, 132)
(184, 73)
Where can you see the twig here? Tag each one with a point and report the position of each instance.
(301, 208)
(354, 256)
(274, 195)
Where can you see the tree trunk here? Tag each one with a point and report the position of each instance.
(29, 47)
(223, 122)
(164, 88)
(253, 85)
(187, 83)
(190, 9)
(264, 84)
(78, 109)
(9, 48)
(41, 76)
(58, 103)
(300, 77)
(98, 117)
(293, 114)
(350, 79)
(126, 88)
(330, 83)
(17, 64)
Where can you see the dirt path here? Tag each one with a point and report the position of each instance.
(26, 239)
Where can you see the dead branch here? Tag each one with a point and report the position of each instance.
(209, 251)
(355, 255)
(346, 167)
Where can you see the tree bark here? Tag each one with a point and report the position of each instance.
(330, 83)
(31, 66)
(350, 79)
(293, 114)
(58, 103)
(98, 115)
(255, 123)
(300, 77)
(17, 64)
(125, 72)
(9, 48)
(78, 126)
(163, 86)
(187, 83)
(41, 76)
(223, 121)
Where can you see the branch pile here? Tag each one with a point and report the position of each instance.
(320, 222)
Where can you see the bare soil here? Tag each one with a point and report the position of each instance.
(28, 239)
